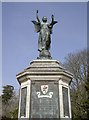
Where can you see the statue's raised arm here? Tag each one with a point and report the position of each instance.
(37, 16)
(53, 22)
(37, 24)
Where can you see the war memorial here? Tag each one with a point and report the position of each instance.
(44, 85)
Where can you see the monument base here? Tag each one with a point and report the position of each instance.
(44, 91)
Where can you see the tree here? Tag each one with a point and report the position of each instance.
(9, 102)
(77, 64)
(8, 93)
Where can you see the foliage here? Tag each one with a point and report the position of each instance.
(9, 102)
(77, 64)
(7, 93)
(14, 113)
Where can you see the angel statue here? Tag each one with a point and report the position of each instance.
(44, 40)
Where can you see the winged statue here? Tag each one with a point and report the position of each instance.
(45, 31)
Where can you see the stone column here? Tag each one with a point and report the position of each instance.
(64, 112)
(27, 85)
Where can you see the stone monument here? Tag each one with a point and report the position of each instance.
(44, 91)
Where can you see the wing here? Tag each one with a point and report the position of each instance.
(37, 26)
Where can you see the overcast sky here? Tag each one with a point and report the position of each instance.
(20, 42)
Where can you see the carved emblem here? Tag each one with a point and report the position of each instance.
(44, 89)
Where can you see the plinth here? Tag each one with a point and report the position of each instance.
(44, 91)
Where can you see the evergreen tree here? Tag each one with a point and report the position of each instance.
(8, 93)
(9, 102)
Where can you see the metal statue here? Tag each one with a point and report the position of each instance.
(45, 30)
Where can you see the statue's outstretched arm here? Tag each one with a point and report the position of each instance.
(37, 16)
(53, 22)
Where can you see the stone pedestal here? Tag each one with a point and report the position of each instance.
(44, 91)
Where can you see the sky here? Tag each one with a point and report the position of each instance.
(20, 41)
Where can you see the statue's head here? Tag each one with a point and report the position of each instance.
(44, 19)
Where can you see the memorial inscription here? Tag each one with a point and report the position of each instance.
(65, 102)
(23, 102)
(44, 106)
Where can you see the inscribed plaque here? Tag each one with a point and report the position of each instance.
(23, 102)
(44, 107)
(65, 101)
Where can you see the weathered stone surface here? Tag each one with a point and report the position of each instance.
(40, 68)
